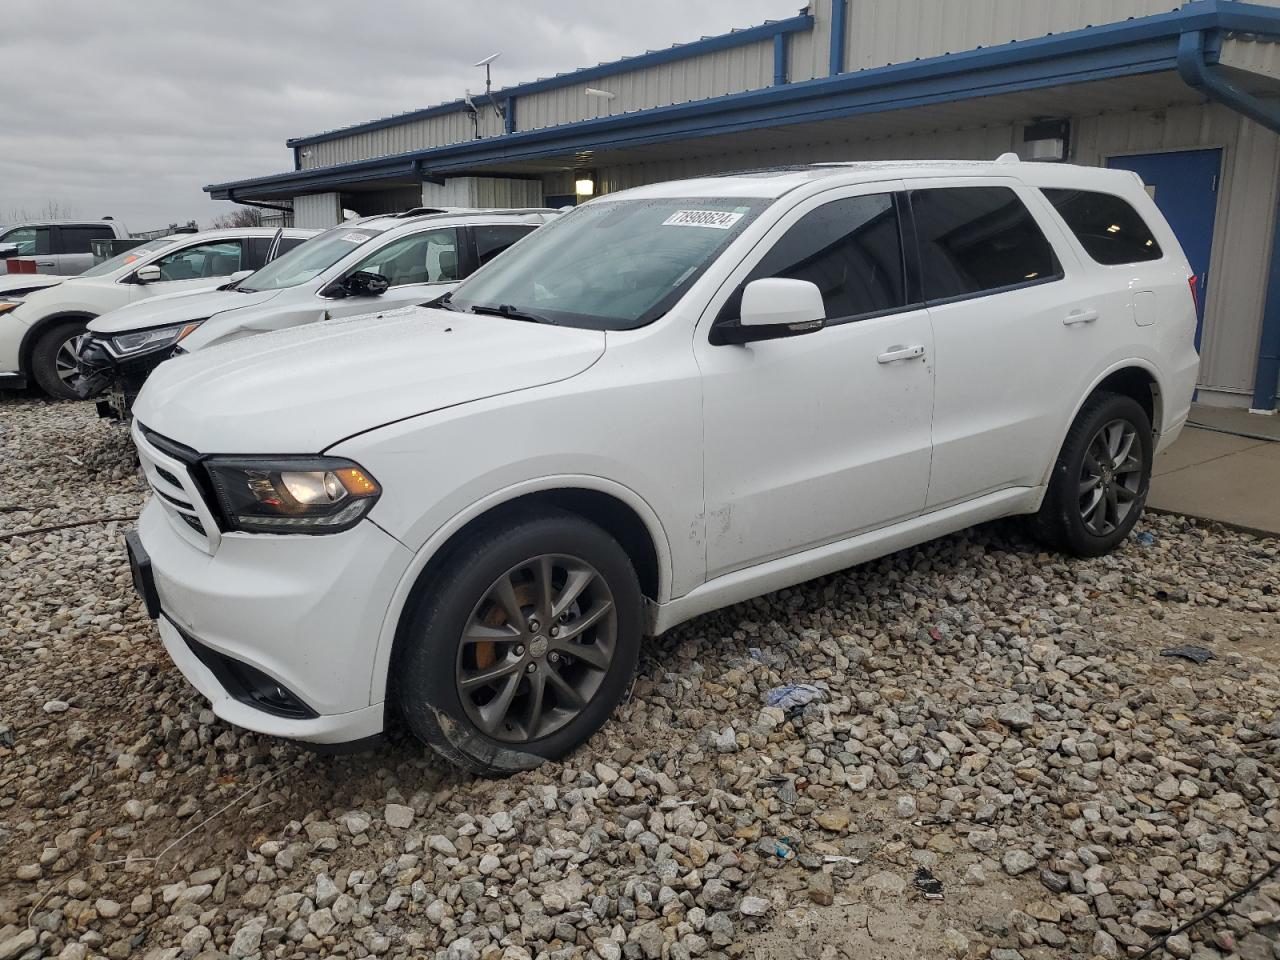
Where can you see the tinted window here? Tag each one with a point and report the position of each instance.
(430, 257)
(1108, 228)
(288, 243)
(851, 249)
(492, 240)
(30, 241)
(977, 239)
(201, 261)
(256, 252)
(76, 239)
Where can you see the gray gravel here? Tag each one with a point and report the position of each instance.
(998, 717)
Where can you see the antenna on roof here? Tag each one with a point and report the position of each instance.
(487, 63)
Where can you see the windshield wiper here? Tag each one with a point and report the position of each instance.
(508, 311)
(442, 302)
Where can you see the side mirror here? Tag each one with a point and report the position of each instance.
(148, 274)
(233, 281)
(772, 308)
(8, 250)
(364, 283)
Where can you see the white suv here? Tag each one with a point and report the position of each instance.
(41, 329)
(671, 399)
(363, 265)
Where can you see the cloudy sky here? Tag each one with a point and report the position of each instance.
(128, 109)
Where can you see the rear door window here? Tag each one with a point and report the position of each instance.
(77, 239)
(977, 240)
(1108, 228)
(850, 248)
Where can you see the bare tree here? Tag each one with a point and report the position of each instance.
(239, 217)
(49, 210)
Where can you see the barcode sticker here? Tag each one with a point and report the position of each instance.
(715, 219)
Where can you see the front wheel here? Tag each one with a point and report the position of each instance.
(1100, 480)
(55, 359)
(522, 646)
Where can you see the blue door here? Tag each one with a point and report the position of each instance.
(1185, 187)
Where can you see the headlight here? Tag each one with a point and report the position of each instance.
(144, 341)
(7, 305)
(286, 495)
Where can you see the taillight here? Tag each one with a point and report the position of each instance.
(1194, 283)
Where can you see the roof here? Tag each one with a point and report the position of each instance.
(777, 181)
(680, 51)
(1124, 50)
(390, 221)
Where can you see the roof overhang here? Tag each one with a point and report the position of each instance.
(1115, 66)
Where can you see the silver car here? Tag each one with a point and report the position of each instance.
(361, 266)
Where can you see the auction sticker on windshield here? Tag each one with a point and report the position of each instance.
(354, 237)
(715, 219)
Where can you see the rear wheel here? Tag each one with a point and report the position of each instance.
(1100, 481)
(520, 649)
(54, 359)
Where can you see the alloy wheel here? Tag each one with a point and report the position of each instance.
(536, 648)
(65, 361)
(1110, 477)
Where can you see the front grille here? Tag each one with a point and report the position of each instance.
(172, 471)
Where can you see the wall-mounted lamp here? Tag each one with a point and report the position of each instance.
(1047, 140)
(596, 92)
(585, 185)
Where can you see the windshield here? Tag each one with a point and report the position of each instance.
(131, 255)
(612, 265)
(307, 260)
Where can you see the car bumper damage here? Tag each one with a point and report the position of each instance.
(113, 381)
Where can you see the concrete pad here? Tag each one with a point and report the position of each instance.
(1199, 446)
(1236, 420)
(1241, 487)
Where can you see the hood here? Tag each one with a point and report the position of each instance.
(176, 308)
(303, 389)
(16, 284)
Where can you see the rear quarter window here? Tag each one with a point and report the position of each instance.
(1107, 226)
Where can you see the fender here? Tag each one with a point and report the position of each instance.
(1140, 363)
(404, 589)
(36, 331)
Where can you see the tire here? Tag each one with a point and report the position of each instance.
(1093, 499)
(49, 358)
(458, 635)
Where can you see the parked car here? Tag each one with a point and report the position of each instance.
(671, 399)
(363, 265)
(59, 247)
(39, 332)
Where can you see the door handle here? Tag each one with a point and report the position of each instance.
(1080, 316)
(896, 353)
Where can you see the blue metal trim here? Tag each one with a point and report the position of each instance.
(839, 19)
(779, 60)
(1124, 49)
(1266, 376)
(509, 115)
(724, 41)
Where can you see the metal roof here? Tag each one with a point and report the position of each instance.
(1131, 51)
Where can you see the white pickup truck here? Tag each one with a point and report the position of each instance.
(60, 247)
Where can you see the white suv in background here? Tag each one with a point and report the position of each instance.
(377, 263)
(671, 399)
(39, 331)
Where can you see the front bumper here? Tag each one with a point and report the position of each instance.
(305, 611)
(117, 379)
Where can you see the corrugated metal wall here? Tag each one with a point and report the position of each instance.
(482, 192)
(1242, 237)
(317, 210)
(416, 135)
(748, 67)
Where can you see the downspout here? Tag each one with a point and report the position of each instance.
(1195, 71)
(839, 16)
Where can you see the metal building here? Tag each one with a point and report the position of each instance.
(1188, 97)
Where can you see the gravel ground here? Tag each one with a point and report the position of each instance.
(995, 716)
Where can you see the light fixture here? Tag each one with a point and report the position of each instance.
(597, 92)
(585, 185)
(1047, 140)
